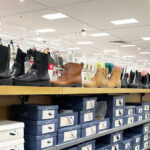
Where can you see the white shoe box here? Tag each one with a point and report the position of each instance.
(11, 130)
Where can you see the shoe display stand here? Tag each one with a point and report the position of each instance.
(14, 91)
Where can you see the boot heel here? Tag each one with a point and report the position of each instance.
(7, 81)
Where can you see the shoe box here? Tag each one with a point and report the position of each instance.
(86, 116)
(103, 124)
(139, 117)
(68, 119)
(127, 144)
(17, 144)
(116, 146)
(145, 137)
(87, 145)
(78, 103)
(41, 127)
(119, 122)
(147, 115)
(143, 129)
(88, 129)
(34, 112)
(139, 109)
(69, 133)
(137, 146)
(129, 110)
(145, 145)
(102, 146)
(40, 142)
(129, 119)
(146, 106)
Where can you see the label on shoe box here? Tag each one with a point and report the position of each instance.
(146, 107)
(146, 128)
(48, 128)
(145, 144)
(140, 110)
(47, 142)
(14, 147)
(145, 138)
(130, 120)
(66, 121)
(91, 130)
(119, 112)
(115, 147)
(87, 147)
(137, 140)
(119, 102)
(48, 114)
(88, 117)
(140, 118)
(137, 147)
(70, 135)
(90, 104)
(147, 115)
(127, 145)
(130, 111)
(103, 125)
(118, 123)
(116, 138)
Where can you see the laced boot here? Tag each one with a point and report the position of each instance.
(96, 81)
(114, 81)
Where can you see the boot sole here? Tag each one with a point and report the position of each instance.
(38, 83)
(7, 81)
(71, 85)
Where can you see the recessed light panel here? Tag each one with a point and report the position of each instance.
(84, 43)
(144, 53)
(54, 16)
(128, 56)
(110, 50)
(126, 21)
(146, 38)
(100, 34)
(45, 30)
(128, 45)
(74, 48)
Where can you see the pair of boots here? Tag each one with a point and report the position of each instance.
(36, 76)
(100, 79)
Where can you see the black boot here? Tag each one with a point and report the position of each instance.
(38, 73)
(145, 81)
(132, 74)
(5, 77)
(124, 81)
(137, 81)
(18, 66)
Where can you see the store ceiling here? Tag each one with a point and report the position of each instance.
(21, 19)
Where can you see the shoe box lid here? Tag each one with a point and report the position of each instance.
(69, 128)
(85, 125)
(41, 137)
(103, 124)
(8, 125)
(129, 110)
(87, 111)
(11, 143)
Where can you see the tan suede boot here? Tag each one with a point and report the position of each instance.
(104, 78)
(115, 81)
(96, 80)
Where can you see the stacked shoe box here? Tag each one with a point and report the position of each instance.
(130, 116)
(115, 110)
(40, 124)
(146, 108)
(11, 135)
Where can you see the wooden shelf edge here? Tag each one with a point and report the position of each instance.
(26, 90)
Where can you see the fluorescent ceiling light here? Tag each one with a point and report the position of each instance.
(40, 39)
(100, 34)
(131, 45)
(54, 16)
(144, 53)
(146, 38)
(110, 50)
(74, 48)
(128, 56)
(45, 30)
(84, 43)
(126, 21)
(98, 54)
(142, 60)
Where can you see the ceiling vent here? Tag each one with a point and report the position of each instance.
(119, 42)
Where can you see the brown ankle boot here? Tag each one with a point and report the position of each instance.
(71, 76)
(96, 80)
(115, 81)
(104, 79)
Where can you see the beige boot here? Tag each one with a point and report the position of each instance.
(96, 81)
(104, 79)
(115, 81)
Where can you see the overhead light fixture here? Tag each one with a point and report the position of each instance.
(142, 60)
(45, 30)
(54, 16)
(129, 56)
(110, 51)
(98, 54)
(146, 38)
(21, 0)
(126, 21)
(144, 53)
(74, 48)
(84, 43)
(99, 34)
(131, 45)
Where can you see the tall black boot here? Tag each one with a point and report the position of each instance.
(137, 81)
(18, 68)
(145, 81)
(132, 74)
(124, 81)
(38, 73)
(5, 77)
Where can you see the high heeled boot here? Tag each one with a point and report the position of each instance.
(71, 76)
(5, 77)
(96, 81)
(115, 81)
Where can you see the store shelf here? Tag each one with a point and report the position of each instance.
(100, 134)
(24, 90)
